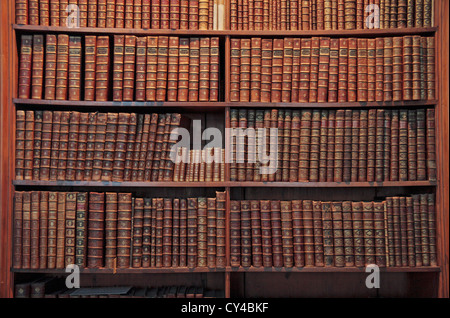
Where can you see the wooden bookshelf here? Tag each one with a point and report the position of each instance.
(233, 280)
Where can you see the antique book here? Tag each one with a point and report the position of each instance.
(137, 233)
(129, 67)
(96, 230)
(102, 69)
(72, 147)
(70, 227)
(37, 68)
(74, 69)
(63, 145)
(118, 67)
(62, 65)
(81, 228)
(50, 66)
(124, 229)
(172, 69)
(35, 229)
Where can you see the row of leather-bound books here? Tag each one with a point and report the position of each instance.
(323, 69)
(398, 231)
(119, 68)
(313, 145)
(117, 230)
(329, 14)
(78, 146)
(130, 14)
(53, 287)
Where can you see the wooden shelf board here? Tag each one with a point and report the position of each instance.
(232, 184)
(298, 33)
(124, 270)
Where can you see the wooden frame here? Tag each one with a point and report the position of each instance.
(8, 84)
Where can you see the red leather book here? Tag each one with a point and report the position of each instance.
(194, 15)
(363, 145)
(297, 233)
(287, 233)
(72, 148)
(25, 66)
(110, 14)
(352, 70)
(161, 75)
(55, 145)
(128, 166)
(96, 230)
(21, 11)
(192, 232)
(164, 152)
(150, 150)
(235, 234)
(202, 228)
(110, 229)
(343, 70)
(416, 67)
(286, 86)
(118, 67)
(235, 62)
(147, 231)
(286, 144)
(120, 14)
(245, 69)
(412, 145)
(52, 228)
(121, 147)
(397, 69)
(204, 70)
(294, 146)
(90, 147)
(403, 145)
(379, 69)
(277, 70)
(137, 232)
(141, 59)
(129, 67)
(394, 164)
(308, 233)
(318, 234)
(101, 13)
(280, 142)
(379, 146)
(110, 146)
(137, 14)
(46, 146)
(371, 69)
(314, 148)
(124, 229)
(164, 14)
(37, 72)
(387, 144)
(355, 144)
(102, 69)
(99, 146)
(339, 145)
(296, 70)
(92, 13)
(211, 232)
(371, 144)
(194, 69)
(256, 70)
(335, 217)
(90, 67)
(388, 69)
(266, 71)
(17, 229)
(50, 66)
(323, 70)
(333, 80)
(172, 69)
(314, 70)
(277, 236)
(63, 145)
(74, 68)
(54, 12)
(350, 7)
(33, 12)
(323, 145)
(140, 154)
(184, 14)
(20, 144)
(203, 14)
(362, 70)
(156, 14)
(146, 14)
(214, 70)
(152, 64)
(220, 229)
(129, 15)
(407, 67)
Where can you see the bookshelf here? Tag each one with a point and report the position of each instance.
(401, 281)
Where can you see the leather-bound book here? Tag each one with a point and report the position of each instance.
(214, 70)
(235, 233)
(111, 216)
(159, 172)
(159, 141)
(350, 14)
(397, 69)
(145, 171)
(379, 69)
(131, 140)
(362, 144)
(358, 233)
(26, 230)
(141, 148)
(431, 144)
(25, 66)
(362, 70)
(204, 70)
(427, 13)
(194, 69)
(371, 144)
(52, 228)
(256, 233)
(371, 69)
(277, 236)
(416, 67)
(318, 234)
(220, 229)
(305, 69)
(421, 154)
(314, 70)
(110, 14)
(328, 235)
(339, 134)
(50, 67)
(37, 68)
(124, 229)
(314, 150)
(430, 67)
(347, 223)
(410, 232)
(403, 145)
(342, 256)
(347, 158)
(118, 67)
(245, 70)
(110, 146)
(33, 171)
(129, 15)
(412, 145)
(431, 203)
(80, 228)
(234, 123)
(394, 13)
(174, 17)
(102, 69)
(90, 67)
(146, 14)
(387, 144)
(161, 75)
(17, 230)
(235, 72)
(379, 146)
(70, 227)
(54, 12)
(194, 15)
(192, 236)
(424, 229)
(277, 70)
(394, 136)
(323, 70)
(152, 65)
(396, 221)
(417, 229)
(99, 146)
(308, 232)
(33, 12)
(60, 229)
(72, 145)
(34, 229)
(120, 147)
(92, 13)
(380, 233)
(323, 146)
(137, 14)
(20, 144)
(172, 69)
(343, 70)
(240, 146)
(184, 15)
(56, 125)
(330, 145)
(81, 144)
(255, 69)
(211, 232)
(155, 14)
(305, 142)
(46, 145)
(294, 146)
(402, 13)
(266, 70)
(83, 7)
(388, 69)
(286, 86)
(96, 230)
(266, 233)
(352, 87)
(297, 233)
(407, 68)
(334, 74)
(418, 18)
(202, 232)
(129, 67)
(147, 232)
(21, 12)
(74, 69)
(90, 147)
(59, 171)
(203, 14)
(62, 66)
(138, 223)
(246, 234)
(355, 144)
(296, 54)
(286, 145)
(390, 240)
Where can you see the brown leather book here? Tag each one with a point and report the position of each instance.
(286, 86)
(20, 144)
(21, 11)
(431, 145)
(147, 231)
(192, 233)
(343, 70)
(350, 14)
(102, 69)
(371, 144)
(211, 232)
(297, 233)
(118, 67)
(25, 66)
(92, 13)
(110, 146)
(362, 70)
(204, 70)
(425, 230)
(63, 145)
(56, 123)
(352, 92)
(410, 232)
(140, 154)
(421, 145)
(407, 67)
(266, 70)
(33, 12)
(119, 154)
(403, 230)
(145, 172)
(172, 69)
(358, 233)
(412, 145)
(431, 203)
(99, 146)
(245, 70)
(137, 232)
(214, 70)
(90, 146)
(380, 233)
(430, 67)
(70, 228)
(314, 69)
(417, 230)
(390, 242)
(342, 252)
(26, 230)
(37, 68)
(137, 14)
(416, 67)
(202, 232)
(266, 233)
(235, 63)
(34, 229)
(328, 235)
(305, 142)
(124, 230)
(74, 68)
(60, 229)
(256, 234)
(323, 70)
(333, 74)
(220, 229)
(162, 67)
(296, 55)
(62, 66)
(314, 149)
(339, 138)
(330, 145)
(52, 229)
(387, 144)
(256, 69)
(184, 14)
(17, 230)
(277, 70)
(348, 146)
(74, 127)
(347, 223)
(294, 146)
(362, 145)
(371, 70)
(379, 145)
(152, 65)
(246, 234)
(355, 144)
(129, 67)
(403, 145)
(90, 67)
(82, 147)
(379, 69)
(318, 234)
(396, 220)
(80, 228)
(96, 230)
(397, 69)
(50, 66)
(308, 233)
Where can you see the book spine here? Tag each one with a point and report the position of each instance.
(129, 67)
(314, 150)
(235, 62)
(287, 233)
(266, 233)
(102, 69)
(92, 13)
(26, 230)
(343, 70)
(277, 234)
(431, 203)
(379, 146)
(96, 230)
(137, 233)
(358, 233)
(379, 234)
(20, 145)
(74, 68)
(417, 230)
(328, 235)
(37, 68)
(124, 229)
(90, 67)
(25, 66)
(355, 145)
(55, 145)
(70, 227)
(140, 68)
(308, 232)
(43, 228)
(407, 67)
(277, 70)
(52, 229)
(60, 229)
(347, 226)
(63, 145)
(118, 67)
(81, 228)
(431, 145)
(34, 229)
(192, 232)
(235, 234)
(220, 229)
(50, 66)
(297, 233)
(362, 71)
(72, 145)
(214, 74)
(286, 86)
(172, 69)
(371, 70)
(21, 11)
(353, 70)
